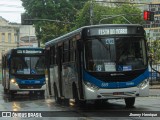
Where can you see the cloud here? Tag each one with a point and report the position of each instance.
(11, 10)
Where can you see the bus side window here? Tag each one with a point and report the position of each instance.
(52, 55)
(72, 52)
(66, 51)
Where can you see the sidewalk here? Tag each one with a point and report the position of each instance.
(154, 85)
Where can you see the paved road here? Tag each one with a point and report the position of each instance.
(111, 110)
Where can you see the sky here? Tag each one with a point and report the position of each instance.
(11, 10)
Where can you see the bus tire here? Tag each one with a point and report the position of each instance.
(130, 102)
(57, 99)
(75, 95)
(41, 93)
(5, 91)
(65, 101)
(100, 102)
(78, 102)
(12, 94)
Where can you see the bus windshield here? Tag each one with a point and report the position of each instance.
(115, 54)
(28, 65)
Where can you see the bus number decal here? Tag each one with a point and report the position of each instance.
(110, 41)
(36, 82)
(99, 68)
(104, 85)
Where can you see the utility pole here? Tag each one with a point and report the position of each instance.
(91, 13)
(18, 37)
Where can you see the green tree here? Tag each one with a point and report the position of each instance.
(62, 11)
(154, 50)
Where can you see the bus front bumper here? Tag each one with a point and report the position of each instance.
(91, 94)
(16, 87)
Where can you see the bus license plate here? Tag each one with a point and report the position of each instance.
(118, 93)
(22, 92)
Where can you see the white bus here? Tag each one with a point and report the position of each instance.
(98, 63)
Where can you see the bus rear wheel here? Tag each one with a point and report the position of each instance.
(5, 91)
(12, 94)
(130, 102)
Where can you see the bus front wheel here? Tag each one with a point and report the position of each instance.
(57, 99)
(12, 93)
(129, 102)
(78, 102)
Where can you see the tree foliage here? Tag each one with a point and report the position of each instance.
(154, 50)
(62, 11)
(122, 14)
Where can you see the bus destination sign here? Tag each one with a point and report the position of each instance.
(107, 31)
(112, 31)
(29, 51)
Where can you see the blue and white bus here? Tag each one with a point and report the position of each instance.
(23, 70)
(99, 62)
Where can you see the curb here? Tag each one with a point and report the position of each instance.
(154, 88)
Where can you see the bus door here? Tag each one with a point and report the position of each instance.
(59, 60)
(4, 71)
(79, 67)
(47, 74)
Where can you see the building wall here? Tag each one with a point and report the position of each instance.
(15, 35)
(7, 38)
(27, 36)
(3, 22)
(27, 30)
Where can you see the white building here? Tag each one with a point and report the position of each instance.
(13, 35)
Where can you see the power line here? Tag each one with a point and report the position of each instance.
(11, 11)
(50, 20)
(15, 6)
(102, 1)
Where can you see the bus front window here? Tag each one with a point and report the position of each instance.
(100, 54)
(115, 54)
(27, 65)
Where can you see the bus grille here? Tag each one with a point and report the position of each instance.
(126, 76)
(29, 77)
(30, 86)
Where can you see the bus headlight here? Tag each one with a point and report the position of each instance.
(46, 78)
(13, 80)
(143, 84)
(91, 86)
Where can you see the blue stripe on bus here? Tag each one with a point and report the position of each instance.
(31, 82)
(101, 84)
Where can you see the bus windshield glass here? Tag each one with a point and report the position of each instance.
(28, 65)
(115, 54)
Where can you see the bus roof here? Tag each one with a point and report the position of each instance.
(78, 31)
